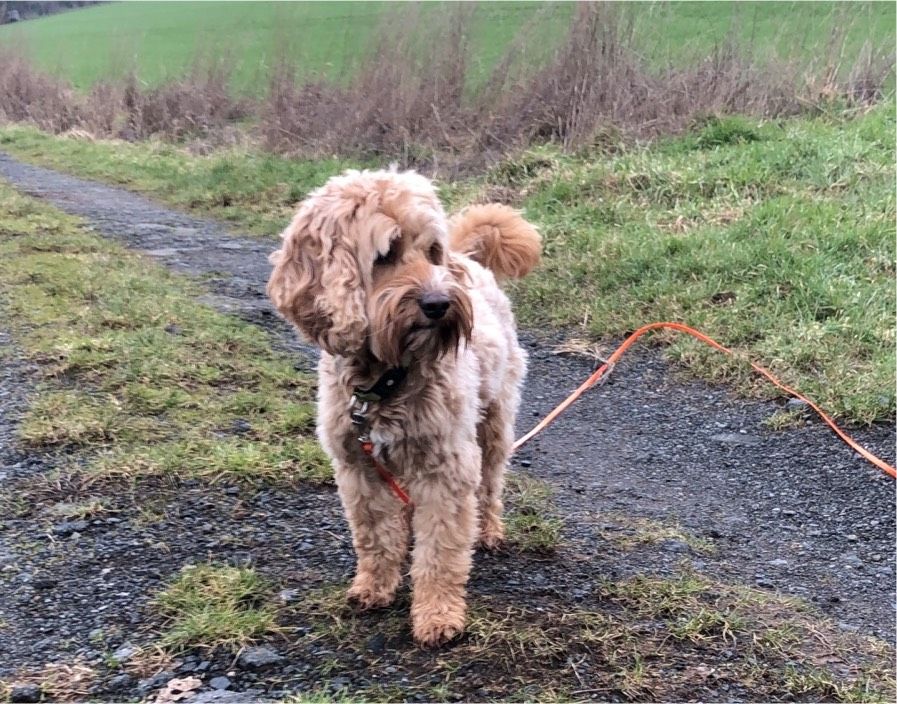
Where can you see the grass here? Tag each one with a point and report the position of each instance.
(139, 377)
(249, 189)
(775, 238)
(630, 532)
(644, 638)
(214, 606)
(530, 521)
(159, 40)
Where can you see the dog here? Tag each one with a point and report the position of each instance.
(420, 359)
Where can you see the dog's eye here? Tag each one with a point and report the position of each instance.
(434, 254)
(388, 258)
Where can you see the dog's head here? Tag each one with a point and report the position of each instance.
(365, 265)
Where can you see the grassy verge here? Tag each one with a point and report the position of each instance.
(775, 238)
(139, 375)
(645, 639)
(250, 189)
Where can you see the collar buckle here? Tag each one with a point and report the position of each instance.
(358, 411)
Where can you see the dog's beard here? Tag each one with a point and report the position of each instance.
(400, 329)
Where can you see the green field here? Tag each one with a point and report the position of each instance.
(159, 40)
(776, 238)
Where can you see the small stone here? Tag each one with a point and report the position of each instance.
(69, 527)
(853, 560)
(762, 581)
(377, 644)
(673, 545)
(241, 425)
(125, 652)
(219, 683)
(259, 657)
(778, 562)
(122, 681)
(340, 682)
(25, 693)
(43, 582)
(287, 596)
(184, 231)
(851, 538)
(526, 463)
(796, 404)
(203, 666)
(230, 245)
(154, 682)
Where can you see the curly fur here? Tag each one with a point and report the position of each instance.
(355, 262)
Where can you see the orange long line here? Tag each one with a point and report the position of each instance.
(604, 369)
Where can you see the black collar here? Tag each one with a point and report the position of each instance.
(385, 387)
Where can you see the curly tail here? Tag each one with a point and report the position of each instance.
(497, 237)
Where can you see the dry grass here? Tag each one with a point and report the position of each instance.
(412, 100)
(200, 103)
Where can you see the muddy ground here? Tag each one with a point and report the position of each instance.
(790, 511)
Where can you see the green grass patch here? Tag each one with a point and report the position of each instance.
(209, 606)
(775, 238)
(645, 638)
(159, 40)
(137, 373)
(531, 522)
(630, 532)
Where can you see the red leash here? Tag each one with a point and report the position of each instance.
(604, 371)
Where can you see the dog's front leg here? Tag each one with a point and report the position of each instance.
(379, 525)
(445, 528)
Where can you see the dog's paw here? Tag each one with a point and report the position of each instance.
(492, 535)
(433, 631)
(365, 595)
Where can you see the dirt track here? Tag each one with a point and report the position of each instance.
(792, 511)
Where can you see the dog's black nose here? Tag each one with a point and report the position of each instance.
(434, 305)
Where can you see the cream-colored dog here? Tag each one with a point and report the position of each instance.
(420, 356)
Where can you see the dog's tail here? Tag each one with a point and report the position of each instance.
(497, 237)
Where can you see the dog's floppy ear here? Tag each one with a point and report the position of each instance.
(315, 283)
(295, 283)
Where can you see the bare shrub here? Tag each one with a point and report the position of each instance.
(408, 94)
(198, 103)
(409, 101)
(414, 98)
(29, 95)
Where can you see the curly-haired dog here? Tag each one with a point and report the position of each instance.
(407, 311)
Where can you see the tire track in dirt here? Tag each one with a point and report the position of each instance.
(794, 511)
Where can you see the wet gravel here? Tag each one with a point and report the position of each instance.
(792, 511)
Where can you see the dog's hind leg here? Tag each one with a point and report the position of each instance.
(495, 435)
(380, 529)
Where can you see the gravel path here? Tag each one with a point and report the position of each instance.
(793, 511)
